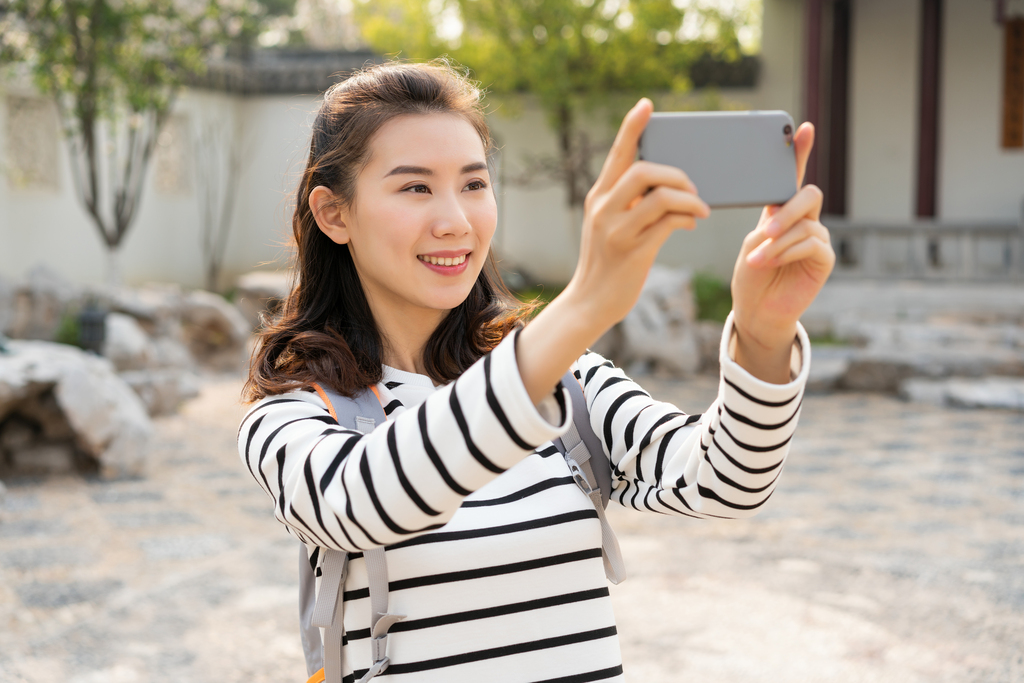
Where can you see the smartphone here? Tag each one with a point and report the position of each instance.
(735, 158)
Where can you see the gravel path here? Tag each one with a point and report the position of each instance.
(893, 550)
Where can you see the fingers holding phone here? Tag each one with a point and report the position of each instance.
(628, 214)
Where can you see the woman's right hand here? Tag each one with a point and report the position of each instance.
(629, 213)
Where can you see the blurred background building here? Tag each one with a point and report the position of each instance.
(919, 106)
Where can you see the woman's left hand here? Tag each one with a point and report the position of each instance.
(783, 264)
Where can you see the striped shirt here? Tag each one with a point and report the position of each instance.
(493, 552)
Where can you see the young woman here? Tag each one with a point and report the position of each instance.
(493, 552)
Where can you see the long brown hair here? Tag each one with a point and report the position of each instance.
(326, 332)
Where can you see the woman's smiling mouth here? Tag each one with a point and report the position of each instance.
(446, 263)
(443, 261)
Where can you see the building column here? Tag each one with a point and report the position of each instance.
(812, 74)
(928, 111)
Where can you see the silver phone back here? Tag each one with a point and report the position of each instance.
(740, 158)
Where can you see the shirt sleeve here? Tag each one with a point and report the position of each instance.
(341, 489)
(723, 463)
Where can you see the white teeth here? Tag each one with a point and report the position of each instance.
(433, 260)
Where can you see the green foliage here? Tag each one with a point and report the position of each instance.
(68, 329)
(573, 55)
(101, 55)
(714, 298)
(113, 68)
(542, 295)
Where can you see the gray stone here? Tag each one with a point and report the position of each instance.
(142, 520)
(120, 497)
(171, 352)
(987, 392)
(51, 595)
(828, 368)
(44, 458)
(660, 332)
(46, 556)
(109, 420)
(35, 528)
(17, 435)
(155, 306)
(709, 335)
(913, 301)
(261, 293)
(183, 547)
(884, 368)
(20, 502)
(215, 332)
(7, 302)
(126, 344)
(39, 304)
(162, 390)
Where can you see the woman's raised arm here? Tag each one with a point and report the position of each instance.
(629, 213)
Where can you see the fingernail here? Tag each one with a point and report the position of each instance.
(772, 229)
(756, 257)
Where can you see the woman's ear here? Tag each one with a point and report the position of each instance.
(328, 214)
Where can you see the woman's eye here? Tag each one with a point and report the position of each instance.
(419, 189)
(476, 185)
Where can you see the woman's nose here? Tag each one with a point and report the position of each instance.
(451, 218)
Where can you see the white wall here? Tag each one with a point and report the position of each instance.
(50, 227)
(277, 133)
(782, 57)
(883, 109)
(978, 178)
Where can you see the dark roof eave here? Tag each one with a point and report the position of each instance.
(285, 72)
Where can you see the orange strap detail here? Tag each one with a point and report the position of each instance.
(318, 677)
(330, 408)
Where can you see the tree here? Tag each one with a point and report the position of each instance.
(573, 55)
(217, 153)
(114, 67)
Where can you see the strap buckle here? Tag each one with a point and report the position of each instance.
(579, 477)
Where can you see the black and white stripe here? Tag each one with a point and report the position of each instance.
(494, 554)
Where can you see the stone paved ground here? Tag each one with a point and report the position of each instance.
(892, 551)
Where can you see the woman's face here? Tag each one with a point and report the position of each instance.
(423, 216)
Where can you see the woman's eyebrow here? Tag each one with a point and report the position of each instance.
(423, 170)
(410, 170)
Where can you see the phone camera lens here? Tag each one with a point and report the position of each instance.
(787, 129)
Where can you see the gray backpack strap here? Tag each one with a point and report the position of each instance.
(361, 413)
(380, 620)
(591, 469)
(600, 463)
(312, 647)
(329, 612)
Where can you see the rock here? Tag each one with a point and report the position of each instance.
(215, 331)
(917, 390)
(162, 390)
(7, 302)
(126, 344)
(987, 392)
(40, 303)
(108, 420)
(883, 368)
(661, 330)
(709, 336)
(261, 293)
(44, 458)
(829, 366)
(152, 305)
(169, 352)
